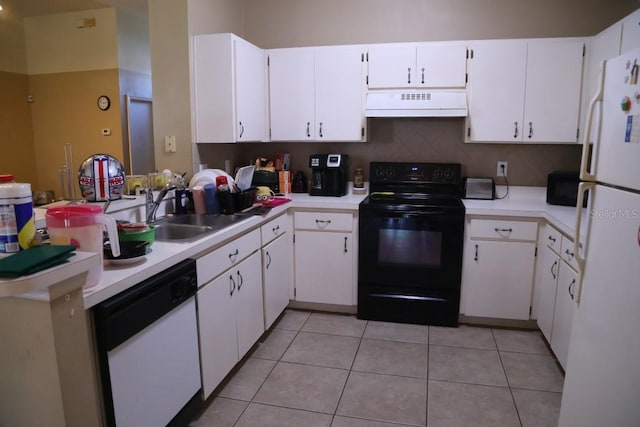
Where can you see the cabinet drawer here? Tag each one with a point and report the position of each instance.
(502, 230)
(552, 238)
(274, 228)
(228, 255)
(323, 221)
(567, 253)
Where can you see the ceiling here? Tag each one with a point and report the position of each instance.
(26, 8)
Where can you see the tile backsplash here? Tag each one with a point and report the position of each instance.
(414, 139)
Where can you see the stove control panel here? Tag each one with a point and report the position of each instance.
(424, 173)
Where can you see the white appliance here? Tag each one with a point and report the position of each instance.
(417, 103)
(602, 382)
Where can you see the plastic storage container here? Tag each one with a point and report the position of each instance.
(17, 226)
(81, 226)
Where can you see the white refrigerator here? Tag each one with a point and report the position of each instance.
(602, 382)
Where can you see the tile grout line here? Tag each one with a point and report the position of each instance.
(504, 370)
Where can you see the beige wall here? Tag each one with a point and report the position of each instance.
(55, 45)
(288, 23)
(16, 137)
(13, 53)
(65, 110)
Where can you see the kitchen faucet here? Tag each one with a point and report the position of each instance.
(152, 205)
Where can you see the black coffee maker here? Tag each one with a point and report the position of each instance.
(329, 174)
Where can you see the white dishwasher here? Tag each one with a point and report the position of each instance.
(148, 349)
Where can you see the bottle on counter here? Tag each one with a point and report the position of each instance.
(358, 178)
(17, 225)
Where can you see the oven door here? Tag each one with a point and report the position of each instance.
(410, 250)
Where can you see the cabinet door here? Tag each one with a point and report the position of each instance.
(552, 96)
(563, 313)
(324, 267)
(250, 92)
(441, 65)
(392, 67)
(248, 302)
(338, 89)
(499, 279)
(291, 86)
(217, 326)
(630, 32)
(276, 268)
(547, 292)
(496, 91)
(213, 88)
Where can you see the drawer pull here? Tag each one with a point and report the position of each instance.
(476, 257)
(569, 253)
(232, 285)
(268, 260)
(552, 239)
(555, 264)
(503, 230)
(233, 256)
(275, 229)
(572, 285)
(240, 280)
(345, 245)
(322, 222)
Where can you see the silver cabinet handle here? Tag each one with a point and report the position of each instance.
(530, 129)
(409, 75)
(345, 244)
(555, 264)
(308, 130)
(422, 75)
(268, 260)
(241, 130)
(571, 292)
(240, 280)
(232, 285)
(476, 257)
(233, 256)
(515, 132)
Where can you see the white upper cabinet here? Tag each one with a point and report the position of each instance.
(630, 32)
(431, 65)
(229, 89)
(525, 91)
(316, 94)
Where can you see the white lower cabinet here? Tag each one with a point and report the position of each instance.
(498, 268)
(556, 285)
(230, 319)
(324, 257)
(563, 313)
(276, 268)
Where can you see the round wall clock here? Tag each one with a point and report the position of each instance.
(104, 102)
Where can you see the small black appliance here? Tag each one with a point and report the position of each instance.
(329, 174)
(266, 178)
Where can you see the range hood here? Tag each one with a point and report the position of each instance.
(420, 103)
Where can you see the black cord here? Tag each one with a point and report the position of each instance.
(507, 182)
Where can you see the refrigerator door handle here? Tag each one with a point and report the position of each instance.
(582, 189)
(585, 175)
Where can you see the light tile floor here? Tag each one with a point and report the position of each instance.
(332, 370)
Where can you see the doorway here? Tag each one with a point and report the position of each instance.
(140, 133)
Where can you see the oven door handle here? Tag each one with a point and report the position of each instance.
(390, 213)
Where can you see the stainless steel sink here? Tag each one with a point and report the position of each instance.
(215, 221)
(169, 232)
(188, 228)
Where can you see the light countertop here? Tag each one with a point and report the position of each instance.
(522, 202)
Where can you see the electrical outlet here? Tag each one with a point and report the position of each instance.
(502, 169)
(170, 144)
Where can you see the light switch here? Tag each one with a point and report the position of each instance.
(170, 144)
